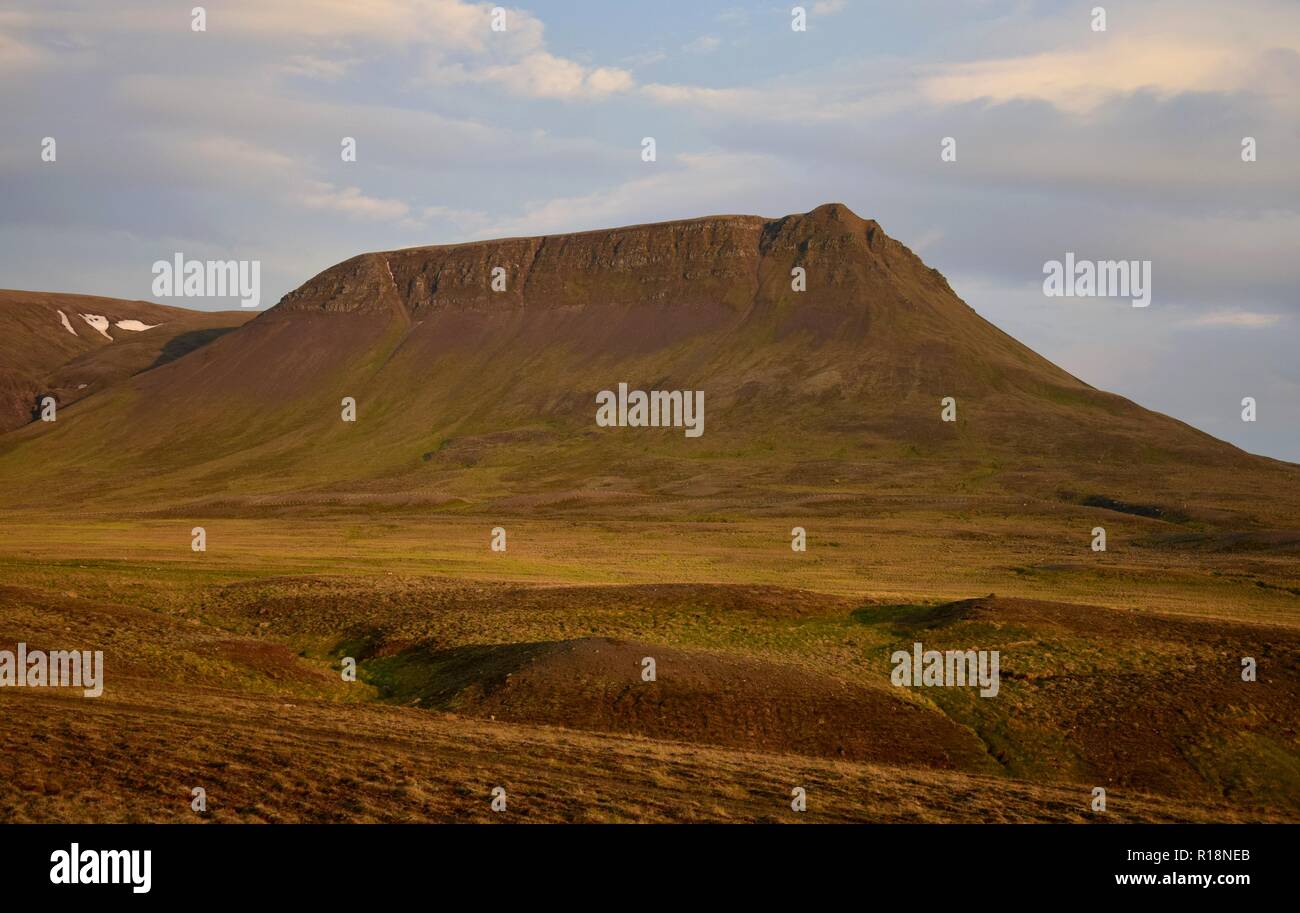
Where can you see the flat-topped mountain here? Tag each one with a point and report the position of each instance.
(824, 351)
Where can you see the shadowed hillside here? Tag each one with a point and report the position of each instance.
(72, 346)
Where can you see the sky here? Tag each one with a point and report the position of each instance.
(1122, 143)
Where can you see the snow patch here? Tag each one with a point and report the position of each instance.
(66, 325)
(97, 322)
(135, 325)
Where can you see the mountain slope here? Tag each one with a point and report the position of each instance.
(825, 400)
(70, 346)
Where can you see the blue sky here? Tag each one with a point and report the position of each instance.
(1117, 144)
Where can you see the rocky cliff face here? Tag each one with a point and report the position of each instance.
(701, 258)
(644, 286)
(730, 259)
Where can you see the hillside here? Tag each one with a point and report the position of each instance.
(72, 346)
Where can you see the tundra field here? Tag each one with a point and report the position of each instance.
(479, 669)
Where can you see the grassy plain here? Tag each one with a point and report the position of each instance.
(479, 668)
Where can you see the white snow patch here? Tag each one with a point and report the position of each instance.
(135, 325)
(67, 326)
(98, 322)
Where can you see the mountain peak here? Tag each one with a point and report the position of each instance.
(834, 212)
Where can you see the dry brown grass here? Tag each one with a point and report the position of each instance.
(136, 754)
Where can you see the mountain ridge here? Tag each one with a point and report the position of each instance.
(619, 249)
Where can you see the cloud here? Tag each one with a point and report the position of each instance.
(352, 202)
(699, 96)
(310, 127)
(1161, 48)
(829, 7)
(836, 92)
(543, 75)
(452, 40)
(689, 185)
(645, 58)
(16, 56)
(1234, 318)
(705, 44)
(273, 174)
(312, 67)
(1079, 81)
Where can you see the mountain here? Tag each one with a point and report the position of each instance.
(71, 346)
(822, 401)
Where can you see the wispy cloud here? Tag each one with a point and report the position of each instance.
(16, 55)
(451, 40)
(1211, 48)
(1232, 318)
(703, 45)
(829, 7)
(689, 184)
(313, 67)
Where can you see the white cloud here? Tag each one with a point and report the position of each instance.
(267, 172)
(314, 67)
(1162, 47)
(843, 93)
(543, 75)
(452, 39)
(1078, 81)
(1236, 318)
(699, 96)
(829, 7)
(705, 44)
(352, 202)
(282, 117)
(688, 185)
(645, 58)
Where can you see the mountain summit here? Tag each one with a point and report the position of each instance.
(827, 356)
